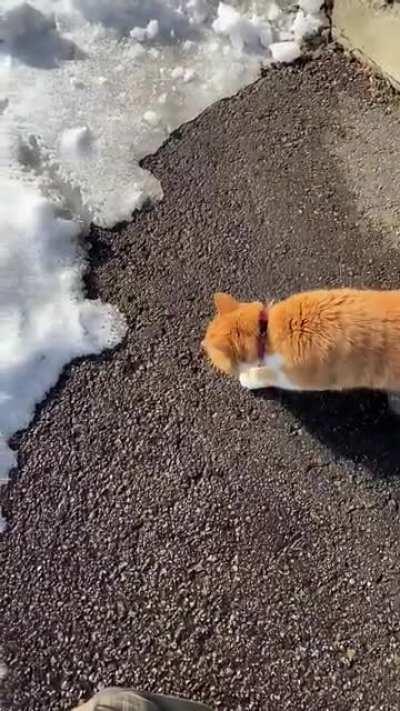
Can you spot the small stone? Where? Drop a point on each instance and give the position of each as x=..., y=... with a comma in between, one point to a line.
x=349, y=656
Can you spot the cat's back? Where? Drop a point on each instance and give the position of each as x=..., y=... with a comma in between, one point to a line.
x=329, y=314
x=337, y=304
x=339, y=338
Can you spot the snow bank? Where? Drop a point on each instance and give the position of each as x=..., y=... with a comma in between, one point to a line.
x=44, y=320
x=87, y=89
x=242, y=31
x=131, y=72
x=76, y=143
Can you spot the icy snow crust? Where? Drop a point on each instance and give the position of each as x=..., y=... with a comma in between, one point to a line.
x=87, y=89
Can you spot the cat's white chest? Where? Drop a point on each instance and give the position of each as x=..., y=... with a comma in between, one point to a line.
x=268, y=375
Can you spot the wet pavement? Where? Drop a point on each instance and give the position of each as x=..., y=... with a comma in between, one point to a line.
x=171, y=531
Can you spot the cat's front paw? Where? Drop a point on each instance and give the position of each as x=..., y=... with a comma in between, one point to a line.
x=248, y=381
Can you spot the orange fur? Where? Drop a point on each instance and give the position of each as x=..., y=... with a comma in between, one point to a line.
x=322, y=340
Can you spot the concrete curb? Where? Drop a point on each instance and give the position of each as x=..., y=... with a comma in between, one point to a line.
x=370, y=29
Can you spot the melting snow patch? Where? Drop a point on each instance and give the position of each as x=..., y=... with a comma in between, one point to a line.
x=151, y=118
x=285, y=52
x=76, y=143
x=44, y=319
x=305, y=25
x=312, y=7
x=148, y=33
x=87, y=89
x=253, y=33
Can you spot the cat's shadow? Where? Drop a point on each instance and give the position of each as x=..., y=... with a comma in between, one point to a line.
x=356, y=426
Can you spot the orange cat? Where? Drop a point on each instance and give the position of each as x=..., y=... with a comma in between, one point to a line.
x=337, y=339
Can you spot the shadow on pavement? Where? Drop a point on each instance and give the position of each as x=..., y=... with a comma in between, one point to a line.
x=355, y=426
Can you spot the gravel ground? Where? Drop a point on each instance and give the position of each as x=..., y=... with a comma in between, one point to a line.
x=172, y=532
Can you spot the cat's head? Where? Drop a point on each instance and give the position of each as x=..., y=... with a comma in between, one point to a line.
x=231, y=341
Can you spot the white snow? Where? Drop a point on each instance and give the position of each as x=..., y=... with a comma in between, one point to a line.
x=76, y=143
x=87, y=89
x=274, y=12
x=141, y=34
x=285, y=52
x=305, y=25
x=312, y=7
x=152, y=118
x=242, y=31
x=44, y=319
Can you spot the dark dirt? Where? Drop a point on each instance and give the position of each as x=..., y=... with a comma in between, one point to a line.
x=171, y=531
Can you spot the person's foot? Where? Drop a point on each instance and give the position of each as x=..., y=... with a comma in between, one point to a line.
x=394, y=403
x=116, y=699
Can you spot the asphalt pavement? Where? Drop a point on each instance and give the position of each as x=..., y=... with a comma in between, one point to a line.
x=171, y=531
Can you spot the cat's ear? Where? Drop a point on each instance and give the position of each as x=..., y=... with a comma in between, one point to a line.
x=224, y=303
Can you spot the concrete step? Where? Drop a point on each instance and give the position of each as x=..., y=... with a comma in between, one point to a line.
x=371, y=30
